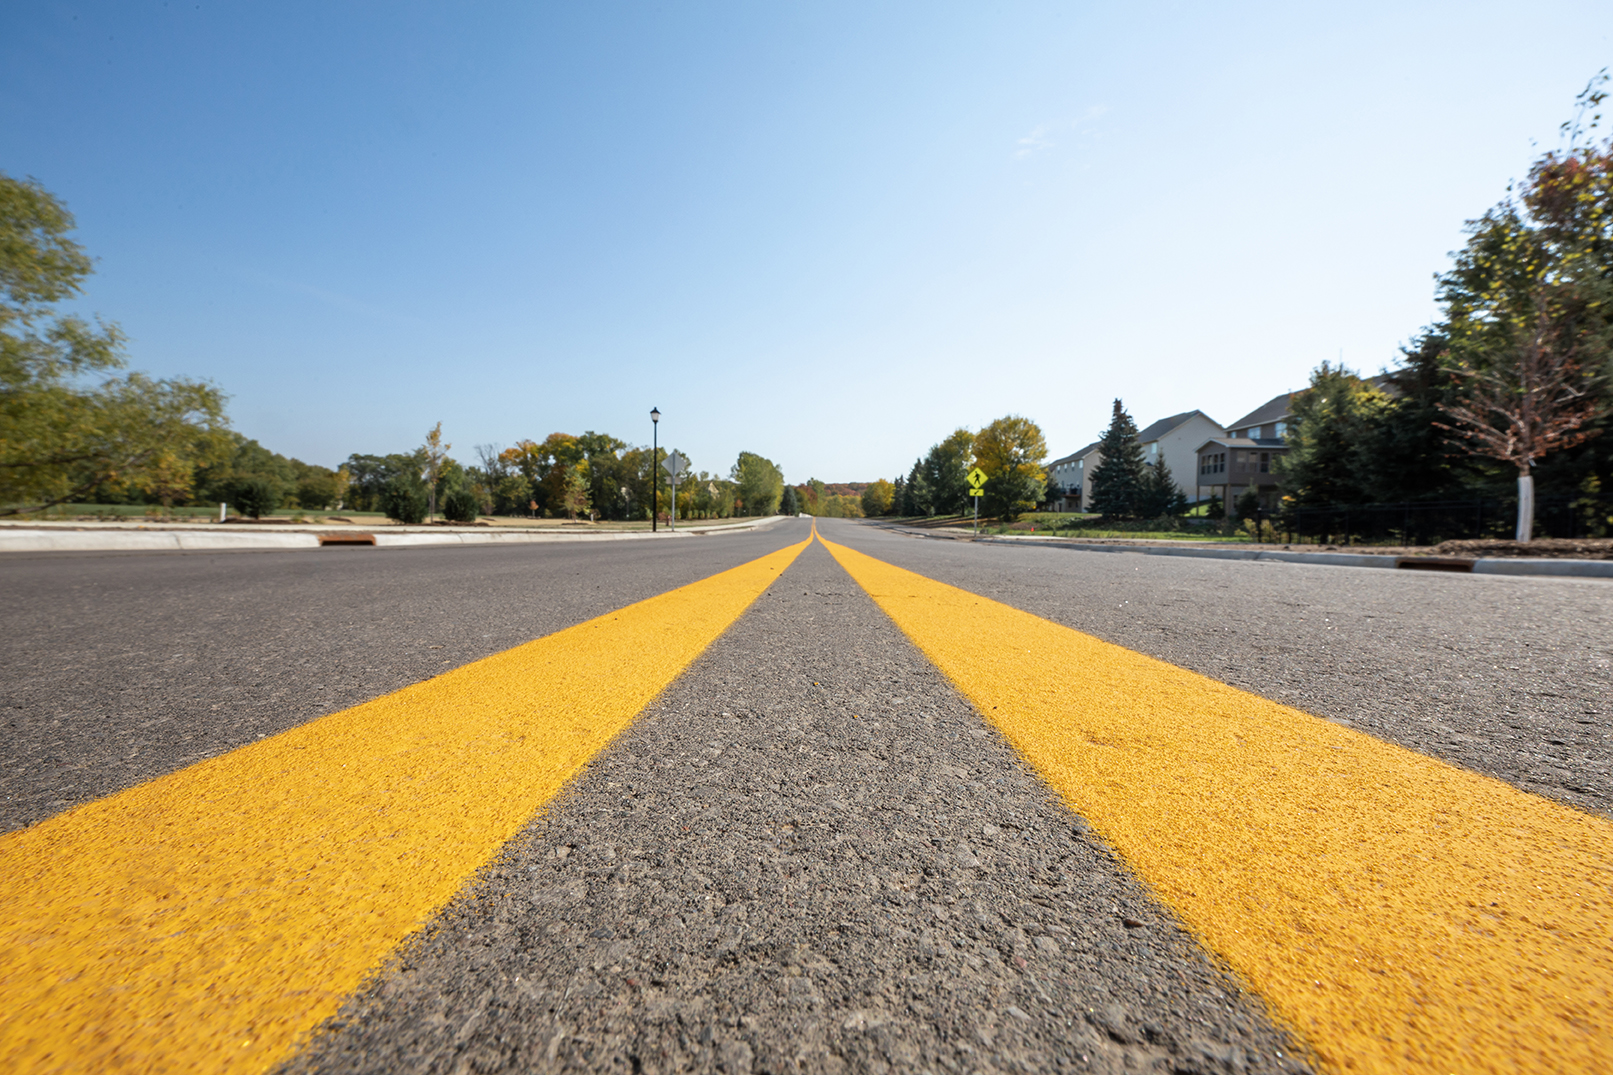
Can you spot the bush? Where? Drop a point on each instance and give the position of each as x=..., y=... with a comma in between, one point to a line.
x=460, y=506
x=256, y=497
x=404, y=501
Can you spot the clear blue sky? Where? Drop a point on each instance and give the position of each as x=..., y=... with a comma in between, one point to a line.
x=825, y=232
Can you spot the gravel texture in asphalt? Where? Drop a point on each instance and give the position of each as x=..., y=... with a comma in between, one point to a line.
x=1512, y=677
x=808, y=855
x=118, y=668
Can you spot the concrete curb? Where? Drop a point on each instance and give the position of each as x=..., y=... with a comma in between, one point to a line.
x=1598, y=569
x=43, y=540
x=147, y=541
x=1489, y=565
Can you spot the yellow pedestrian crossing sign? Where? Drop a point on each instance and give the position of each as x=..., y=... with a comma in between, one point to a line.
x=977, y=478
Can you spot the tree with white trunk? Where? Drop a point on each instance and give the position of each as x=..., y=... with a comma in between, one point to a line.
x=1528, y=303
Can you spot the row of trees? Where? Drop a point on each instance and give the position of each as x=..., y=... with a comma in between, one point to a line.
x=75, y=428
x=601, y=476
x=825, y=500
x=593, y=476
x=1009, y=451
x=1514, y=382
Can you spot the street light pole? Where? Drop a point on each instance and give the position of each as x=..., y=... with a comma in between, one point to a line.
x=655, y=466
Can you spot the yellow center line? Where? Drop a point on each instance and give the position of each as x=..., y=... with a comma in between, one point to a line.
x=203, y=921
x=1399, y=913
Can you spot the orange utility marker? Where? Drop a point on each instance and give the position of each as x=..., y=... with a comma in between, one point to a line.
x=1401, y=914
x=203, y=921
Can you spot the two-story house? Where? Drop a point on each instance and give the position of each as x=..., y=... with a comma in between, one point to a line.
x=1174, y=439
x=1242, y=456
x=1069, y=488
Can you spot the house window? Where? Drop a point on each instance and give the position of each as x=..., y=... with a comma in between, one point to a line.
x=1265, y=462
x=1279, y=429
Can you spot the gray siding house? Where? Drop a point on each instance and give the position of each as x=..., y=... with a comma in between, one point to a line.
x=1069, y=479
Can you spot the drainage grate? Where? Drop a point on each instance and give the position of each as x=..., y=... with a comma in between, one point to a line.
x=1434, y=563
x=346, y=539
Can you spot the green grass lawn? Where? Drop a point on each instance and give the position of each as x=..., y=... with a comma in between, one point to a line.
x=197, y=513
x=119, y=511
x=1078, y=533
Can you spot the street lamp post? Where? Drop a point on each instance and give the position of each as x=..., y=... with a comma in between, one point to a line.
x=655, y=466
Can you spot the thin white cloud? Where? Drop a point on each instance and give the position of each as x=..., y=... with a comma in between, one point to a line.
x=1036, y=141
x=1041, y=136
x=1089, y=116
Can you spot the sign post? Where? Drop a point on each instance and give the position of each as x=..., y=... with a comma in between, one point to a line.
x=977, y=480
x=674, y=464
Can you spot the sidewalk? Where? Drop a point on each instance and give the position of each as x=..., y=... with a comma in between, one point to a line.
x=190, y=537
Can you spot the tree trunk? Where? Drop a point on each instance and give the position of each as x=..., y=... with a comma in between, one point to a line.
x=1526, y=506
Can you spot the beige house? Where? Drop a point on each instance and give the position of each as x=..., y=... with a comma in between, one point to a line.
x=1175, y=439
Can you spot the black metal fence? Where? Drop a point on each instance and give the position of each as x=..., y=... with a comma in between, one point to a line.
x=1431, y=522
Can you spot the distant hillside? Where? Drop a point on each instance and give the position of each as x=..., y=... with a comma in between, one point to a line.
x=846, y=488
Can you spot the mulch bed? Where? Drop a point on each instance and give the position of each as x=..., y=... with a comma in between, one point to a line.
x=1550, y=548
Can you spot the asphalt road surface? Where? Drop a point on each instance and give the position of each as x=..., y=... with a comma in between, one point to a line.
x=1503, y=675
x=810, y=852
x=121, y=667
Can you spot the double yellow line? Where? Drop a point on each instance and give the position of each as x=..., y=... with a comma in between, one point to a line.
x=1399, y=914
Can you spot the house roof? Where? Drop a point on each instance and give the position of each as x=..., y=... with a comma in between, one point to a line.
x=1272, y=411
x=1165, y=425
x=1073, y=456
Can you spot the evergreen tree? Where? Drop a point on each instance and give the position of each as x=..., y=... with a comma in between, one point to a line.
x=1158, y=495
x=1406, y=454
x=789, y=503
x=1117, y=481
x=918, y=492
x=1328, y=444
x=899, y=499
x=946, y=473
